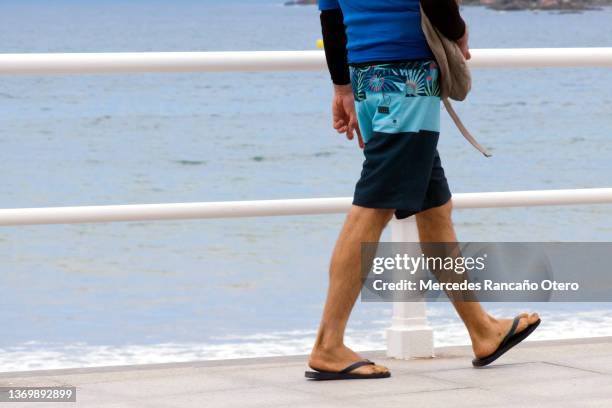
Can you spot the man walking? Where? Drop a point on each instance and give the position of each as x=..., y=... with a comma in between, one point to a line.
x=387, y=94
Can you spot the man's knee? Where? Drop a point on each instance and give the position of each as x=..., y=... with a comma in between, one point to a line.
x=436, y=215
x=379, y=217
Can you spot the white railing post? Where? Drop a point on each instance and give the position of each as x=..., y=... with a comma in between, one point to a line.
x=409, y=336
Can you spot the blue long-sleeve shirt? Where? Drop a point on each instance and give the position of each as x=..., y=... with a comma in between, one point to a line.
x=381, y=30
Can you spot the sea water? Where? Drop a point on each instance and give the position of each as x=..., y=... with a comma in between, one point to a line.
x=143, y=292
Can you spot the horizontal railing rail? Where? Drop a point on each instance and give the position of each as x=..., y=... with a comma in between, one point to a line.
x=132, y=62
x=266, y=208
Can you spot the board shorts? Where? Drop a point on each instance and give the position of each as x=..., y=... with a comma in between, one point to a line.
x=398, y=109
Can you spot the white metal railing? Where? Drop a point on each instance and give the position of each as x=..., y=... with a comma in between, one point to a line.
x=409, y=335
x=130, y=62
x=266, y=208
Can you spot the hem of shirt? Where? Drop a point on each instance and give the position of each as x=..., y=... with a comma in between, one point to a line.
x=360, y=64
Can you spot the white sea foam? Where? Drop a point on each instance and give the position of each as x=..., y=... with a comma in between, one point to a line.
x=448, y=331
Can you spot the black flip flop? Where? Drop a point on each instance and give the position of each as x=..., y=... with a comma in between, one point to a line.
x=511, y=340
x=320, y=375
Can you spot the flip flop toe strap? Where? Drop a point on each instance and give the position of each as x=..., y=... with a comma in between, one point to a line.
x=515, y=323
x=356, y=365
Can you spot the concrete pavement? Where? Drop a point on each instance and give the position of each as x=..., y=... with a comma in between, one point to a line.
x=566, y=373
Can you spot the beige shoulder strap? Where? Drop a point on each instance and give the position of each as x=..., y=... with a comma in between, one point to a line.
x=466, y=133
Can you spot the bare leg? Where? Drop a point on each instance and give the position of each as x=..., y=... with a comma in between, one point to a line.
x=329, y=352
x=486, y=332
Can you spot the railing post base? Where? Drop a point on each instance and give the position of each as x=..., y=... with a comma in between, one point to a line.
x=409, y=336
x=408, y=344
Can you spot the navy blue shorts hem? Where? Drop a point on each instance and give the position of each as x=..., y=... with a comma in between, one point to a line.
x=401, y=213
x=403, y=172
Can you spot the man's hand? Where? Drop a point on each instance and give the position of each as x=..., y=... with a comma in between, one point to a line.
x=463, y=44
x=343, y=113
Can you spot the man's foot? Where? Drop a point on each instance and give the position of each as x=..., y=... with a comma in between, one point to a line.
x=338, y=358
x=488, y=338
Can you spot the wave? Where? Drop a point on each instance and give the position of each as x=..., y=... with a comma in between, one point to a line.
x=448, y=330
